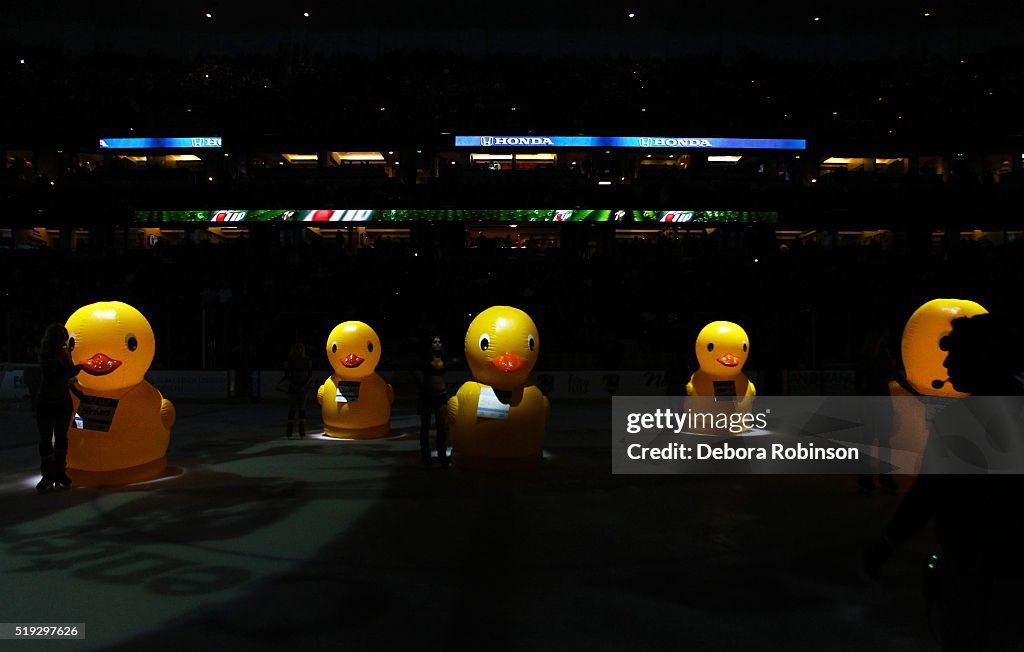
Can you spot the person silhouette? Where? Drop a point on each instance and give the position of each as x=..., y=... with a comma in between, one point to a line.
x=54, y=408
x=979, y=600
x=433, y=401
x=298, y=375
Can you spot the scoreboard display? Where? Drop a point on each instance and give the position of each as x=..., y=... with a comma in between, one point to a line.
x=378, y=216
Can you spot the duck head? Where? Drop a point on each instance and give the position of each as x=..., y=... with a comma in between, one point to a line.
x=502, y=345
x=923, y=347
x=722, y=349
x=353, y=350
x=113, y=342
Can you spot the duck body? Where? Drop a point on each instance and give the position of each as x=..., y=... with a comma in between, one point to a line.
x=124, y=436
x=509, y=435
x=361, y=410
x=738, y=386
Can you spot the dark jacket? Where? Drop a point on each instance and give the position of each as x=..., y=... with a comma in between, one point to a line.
x=58, y=370
x=298, y=374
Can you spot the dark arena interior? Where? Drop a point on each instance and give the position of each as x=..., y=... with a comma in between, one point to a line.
x=249, y=177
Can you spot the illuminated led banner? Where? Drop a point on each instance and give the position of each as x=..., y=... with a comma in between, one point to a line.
x=160, y=143
x=636, y=142
x=458, y=215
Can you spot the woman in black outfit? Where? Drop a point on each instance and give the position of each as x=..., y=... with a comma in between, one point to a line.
x=432, y=401
x=55, y=409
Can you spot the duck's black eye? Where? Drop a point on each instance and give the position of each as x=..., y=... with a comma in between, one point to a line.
x=71, y=344
x=711, y=346
x=485, y=342
x=744, y=347
x=334, y=348
x=369, y=347
x=532, y=342
x=132, y=343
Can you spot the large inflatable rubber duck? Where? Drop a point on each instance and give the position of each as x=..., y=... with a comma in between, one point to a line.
x=124, y=423
x=922, y=346
x=497, y=419
x=355, y=401
x=722, y=348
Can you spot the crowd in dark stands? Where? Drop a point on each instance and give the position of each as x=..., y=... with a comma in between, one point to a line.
x=963, y=110
x=601, y=303
x=881, y=101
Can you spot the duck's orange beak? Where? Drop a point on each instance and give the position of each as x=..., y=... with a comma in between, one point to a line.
x=100, y=365
x=729, y=360
x=351, y=361
x=509, y=362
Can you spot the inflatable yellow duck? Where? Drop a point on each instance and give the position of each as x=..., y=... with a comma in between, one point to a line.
x=722, y=349
x=125, y=423
x=497, y=419
x=355, y=401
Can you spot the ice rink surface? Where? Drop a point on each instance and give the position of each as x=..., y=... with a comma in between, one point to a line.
x=256, y=542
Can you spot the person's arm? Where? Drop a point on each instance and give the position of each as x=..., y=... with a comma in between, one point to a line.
x=67, y=365
x=58, y=367
x=284, y=384
x=75, y=389
x=418, y=373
